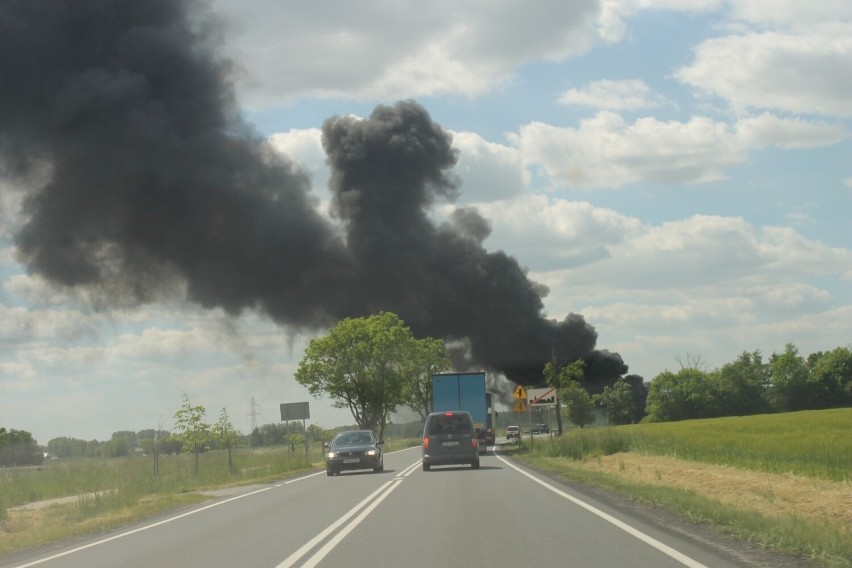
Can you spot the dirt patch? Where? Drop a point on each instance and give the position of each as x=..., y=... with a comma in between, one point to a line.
x=767, y=493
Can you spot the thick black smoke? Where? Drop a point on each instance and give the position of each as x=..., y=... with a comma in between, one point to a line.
x=154, y=179
x=154, y=176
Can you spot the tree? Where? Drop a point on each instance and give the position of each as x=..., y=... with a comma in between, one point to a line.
x=118, y=447
x=17, y=447
x=831, y=378
x=360, y=365
x=618, y=401
x=689, y=393
x=317, y=432
x=558, y=375
x=226, y=435
x=743, y=386
x=580, y=407
x=193, y=431
x=427, y=357
x=789, y=376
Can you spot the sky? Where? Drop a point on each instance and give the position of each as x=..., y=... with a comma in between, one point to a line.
x=677, y=172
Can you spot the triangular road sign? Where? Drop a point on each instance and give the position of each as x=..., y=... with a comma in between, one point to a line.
x=521, y=405
x=520, y=393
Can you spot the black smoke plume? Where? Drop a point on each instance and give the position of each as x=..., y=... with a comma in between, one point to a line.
x=156, y=182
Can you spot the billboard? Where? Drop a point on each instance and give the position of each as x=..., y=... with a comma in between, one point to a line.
x=294, y=411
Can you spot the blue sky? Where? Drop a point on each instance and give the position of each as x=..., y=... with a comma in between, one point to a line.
x=679, y=172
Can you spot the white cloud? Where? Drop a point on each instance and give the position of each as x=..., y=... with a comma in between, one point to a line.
x=791, y=13
x=804, y=72
x=374, y=50
x=607, y=151
x=490, y=171
x=631, y=94
x=770, y=130
x=707, y=257
x=544, y=233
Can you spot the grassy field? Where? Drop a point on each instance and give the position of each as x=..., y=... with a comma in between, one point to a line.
x=784, y=481
x=108, y=493
x=811, y=443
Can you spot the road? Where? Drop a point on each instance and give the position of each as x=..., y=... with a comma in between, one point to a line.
x=499, y=516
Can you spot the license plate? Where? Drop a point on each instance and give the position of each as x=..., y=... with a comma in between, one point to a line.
x=452, y=443
x=351, y=460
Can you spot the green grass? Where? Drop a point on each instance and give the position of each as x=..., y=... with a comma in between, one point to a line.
x=116, y=491
x=815, y=443
x=133, y=477
x=826, y=544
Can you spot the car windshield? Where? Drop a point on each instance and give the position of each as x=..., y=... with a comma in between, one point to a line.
x=351, y=438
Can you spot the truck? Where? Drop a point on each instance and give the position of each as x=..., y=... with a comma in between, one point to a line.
x=466, y=391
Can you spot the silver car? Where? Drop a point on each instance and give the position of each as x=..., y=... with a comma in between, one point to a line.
x=450, y=438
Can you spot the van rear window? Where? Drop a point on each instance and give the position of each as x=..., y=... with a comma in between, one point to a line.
x=452, y=424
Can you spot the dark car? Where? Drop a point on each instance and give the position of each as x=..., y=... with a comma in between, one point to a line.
x=450, y=438
x=544, y=428
x=354, y=449
x=535, y=429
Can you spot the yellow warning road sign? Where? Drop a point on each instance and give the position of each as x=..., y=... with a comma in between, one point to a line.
x=520, y=393
x=521, y=405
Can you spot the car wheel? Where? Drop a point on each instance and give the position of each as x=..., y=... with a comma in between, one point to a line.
x=329, y=472
x=475, y=465
x=426, y=466
x=379, y=468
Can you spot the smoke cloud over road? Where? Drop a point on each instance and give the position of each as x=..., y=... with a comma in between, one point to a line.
x=118, y=120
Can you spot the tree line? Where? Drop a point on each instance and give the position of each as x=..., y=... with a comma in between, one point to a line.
x=786, y=382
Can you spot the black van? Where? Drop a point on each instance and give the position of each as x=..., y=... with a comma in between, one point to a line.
x=450, y=438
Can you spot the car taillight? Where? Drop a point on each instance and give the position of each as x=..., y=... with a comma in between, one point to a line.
x=474, y=442
x=426, y=443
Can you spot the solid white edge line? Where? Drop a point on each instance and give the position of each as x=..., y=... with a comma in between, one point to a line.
x=664, y=548
x=140, y=529
x=157, y=524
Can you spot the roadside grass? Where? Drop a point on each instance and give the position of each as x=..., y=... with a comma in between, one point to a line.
x=109, y=493
x=30, y=528
x=802, y=446
x=113, y=492
x=825, y=543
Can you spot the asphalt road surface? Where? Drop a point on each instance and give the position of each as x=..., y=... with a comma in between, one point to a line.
x=500, y=516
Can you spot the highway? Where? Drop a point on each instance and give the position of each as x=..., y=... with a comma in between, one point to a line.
x=501, y=515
